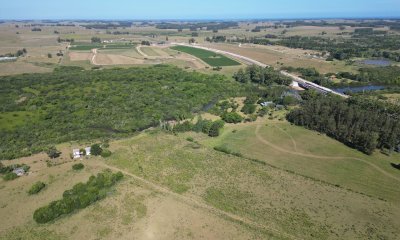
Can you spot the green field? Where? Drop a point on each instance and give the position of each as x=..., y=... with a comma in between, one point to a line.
x=119, y=46
x=211, y=58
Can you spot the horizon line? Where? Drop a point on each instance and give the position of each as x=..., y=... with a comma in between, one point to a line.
x=205, y=19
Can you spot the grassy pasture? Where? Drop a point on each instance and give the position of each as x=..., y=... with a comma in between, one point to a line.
x=313, y=155
x=132, y=210
x=283, y=204
x=301, y=207
x=213, y=59
x=150, y=51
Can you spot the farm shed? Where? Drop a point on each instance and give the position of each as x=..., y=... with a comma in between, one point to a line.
x=266, y=104
x=76, y=153
x=19, y=171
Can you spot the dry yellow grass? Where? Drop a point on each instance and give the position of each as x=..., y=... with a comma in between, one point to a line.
x=80, y=56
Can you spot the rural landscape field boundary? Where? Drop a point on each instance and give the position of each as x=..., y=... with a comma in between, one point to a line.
x=266, y=142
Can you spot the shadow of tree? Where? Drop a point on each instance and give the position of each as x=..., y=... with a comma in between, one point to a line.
x=397, y=166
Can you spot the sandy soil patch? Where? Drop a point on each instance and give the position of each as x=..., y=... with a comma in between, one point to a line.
x=79, y=56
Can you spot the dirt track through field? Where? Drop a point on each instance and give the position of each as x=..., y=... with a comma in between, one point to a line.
x=196, y=203
x=139, y=50
x=261, y=139
x=94, y=51
x=290, y=136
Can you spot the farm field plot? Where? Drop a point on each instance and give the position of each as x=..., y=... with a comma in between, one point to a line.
x=213, y=59
x=114, y=59
x=150, y=51
x=86, y=46
x=128, y=52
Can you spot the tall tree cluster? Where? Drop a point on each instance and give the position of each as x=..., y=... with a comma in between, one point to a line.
x=264, y=76
x=360, y=123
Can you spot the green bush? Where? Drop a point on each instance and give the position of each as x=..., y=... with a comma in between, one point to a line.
x=36, y=188
x=10, y=176
x=190, y=139
x=186, y=126
x=96, y=150
x=232, y=117
x=78, y=166
x=52, y=152
x=105, y=153
x=215, y=128
x=249, y=108
x=227, y=151
x=79, y=197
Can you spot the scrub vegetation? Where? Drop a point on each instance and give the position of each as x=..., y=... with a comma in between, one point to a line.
x=73, y=104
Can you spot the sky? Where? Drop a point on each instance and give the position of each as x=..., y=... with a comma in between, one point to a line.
x=196, y=9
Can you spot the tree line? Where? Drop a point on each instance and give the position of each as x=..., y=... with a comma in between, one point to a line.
x=263, y=76
x=360, y=123
x=79, y=197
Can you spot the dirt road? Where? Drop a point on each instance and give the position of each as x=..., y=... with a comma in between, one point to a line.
x=139, y=50
x=93, y=59
x=255, y=62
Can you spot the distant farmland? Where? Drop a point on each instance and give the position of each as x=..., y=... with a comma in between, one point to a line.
x=211, y=58
x=85, y=47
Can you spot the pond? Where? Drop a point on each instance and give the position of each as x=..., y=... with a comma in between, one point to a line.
x=377, y=62
x=359, y=89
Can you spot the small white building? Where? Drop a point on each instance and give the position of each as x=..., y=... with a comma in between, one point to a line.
x=76, y=153
x=8, y=59
x=294, y=84
x=87, y=149
x=19, y=171
x=266, y=104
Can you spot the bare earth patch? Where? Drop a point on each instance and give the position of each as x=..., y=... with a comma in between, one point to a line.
x=80, y=56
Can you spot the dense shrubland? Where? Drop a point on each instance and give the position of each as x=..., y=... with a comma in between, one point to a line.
x=79, y=197
x=73, y=104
